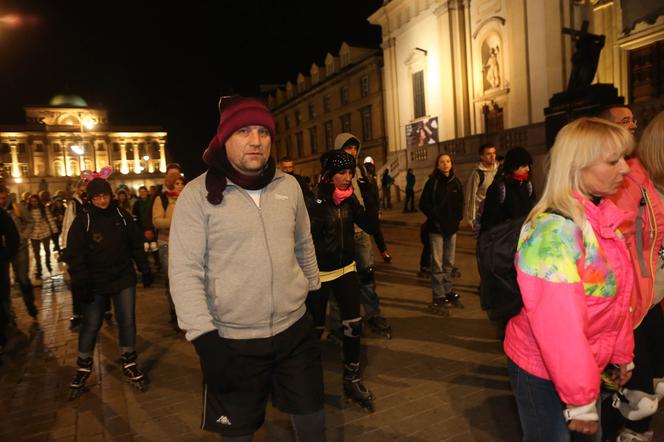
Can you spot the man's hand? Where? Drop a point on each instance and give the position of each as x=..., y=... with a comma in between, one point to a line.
x=583, y=427
x=218, y=362
x=386, y=257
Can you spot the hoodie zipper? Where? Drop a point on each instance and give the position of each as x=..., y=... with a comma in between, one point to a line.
x=269, y=255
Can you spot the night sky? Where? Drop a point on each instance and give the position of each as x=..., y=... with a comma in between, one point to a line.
x=148, y=63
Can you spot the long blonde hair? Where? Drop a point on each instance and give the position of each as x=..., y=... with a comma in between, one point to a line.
x=651, y=150
x=578, y=145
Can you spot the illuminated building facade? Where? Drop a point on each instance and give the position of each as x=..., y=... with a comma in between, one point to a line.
x=62, y=139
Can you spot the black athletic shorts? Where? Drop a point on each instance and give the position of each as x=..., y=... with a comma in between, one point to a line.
x=286, y=367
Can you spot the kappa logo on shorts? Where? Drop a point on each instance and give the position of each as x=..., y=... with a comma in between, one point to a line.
x=280, y=196
x=224, y=420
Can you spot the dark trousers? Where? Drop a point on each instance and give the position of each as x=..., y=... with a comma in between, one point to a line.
x=425, y=257
x=410, y=198
x=4, y=300
x=46, y=242
x=346, y=290
x=648, y=360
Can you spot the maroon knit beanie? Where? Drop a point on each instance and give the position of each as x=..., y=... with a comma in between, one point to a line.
x=236, y=113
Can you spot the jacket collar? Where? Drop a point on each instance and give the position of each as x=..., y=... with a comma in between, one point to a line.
x=604, y=217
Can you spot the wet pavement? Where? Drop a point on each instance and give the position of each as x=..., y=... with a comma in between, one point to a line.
x=438, y=379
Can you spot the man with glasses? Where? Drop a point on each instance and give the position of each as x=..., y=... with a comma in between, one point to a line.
x=621, y=115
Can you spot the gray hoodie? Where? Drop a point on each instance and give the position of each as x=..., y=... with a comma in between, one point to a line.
x=237, y=268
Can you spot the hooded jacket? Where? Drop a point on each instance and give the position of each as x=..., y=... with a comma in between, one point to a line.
x=101, y=245
x=644, y=232
x=575, y=286
x=476, y=192
x=238, y=268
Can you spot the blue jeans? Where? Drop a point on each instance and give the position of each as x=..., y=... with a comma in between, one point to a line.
x=443, y=249
x=124, y=302
x=541, y=410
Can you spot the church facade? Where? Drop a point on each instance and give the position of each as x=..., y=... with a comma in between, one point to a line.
x=484, y=70
x=59, y=141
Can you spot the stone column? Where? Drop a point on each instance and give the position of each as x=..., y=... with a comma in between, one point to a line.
x=124, y=168
x=137, y=159
x=162, y=157
x=16, y=170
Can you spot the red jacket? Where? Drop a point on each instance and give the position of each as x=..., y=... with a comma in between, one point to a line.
x=639, y=197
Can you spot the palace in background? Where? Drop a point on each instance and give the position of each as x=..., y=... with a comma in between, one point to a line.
x=62, y=139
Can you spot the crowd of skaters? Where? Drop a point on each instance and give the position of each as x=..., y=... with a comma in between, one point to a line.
x=584, y=346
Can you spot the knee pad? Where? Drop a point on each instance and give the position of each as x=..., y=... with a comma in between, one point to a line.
x=367, y=275
x=658, y=387
x=635, y=405
x=352, y=327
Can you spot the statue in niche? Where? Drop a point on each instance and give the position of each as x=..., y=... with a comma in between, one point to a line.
x=586, y=56
x=492, y=68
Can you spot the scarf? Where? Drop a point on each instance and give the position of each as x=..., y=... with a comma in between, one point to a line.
x=338, y=196
x=219, y=169
x=520, y=176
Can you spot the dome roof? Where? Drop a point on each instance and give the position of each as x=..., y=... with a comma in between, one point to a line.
x=68, y=100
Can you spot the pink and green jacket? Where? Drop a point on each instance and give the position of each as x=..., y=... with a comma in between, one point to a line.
x=576, y=289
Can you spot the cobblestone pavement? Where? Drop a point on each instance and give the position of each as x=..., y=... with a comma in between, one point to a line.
x=438, y=379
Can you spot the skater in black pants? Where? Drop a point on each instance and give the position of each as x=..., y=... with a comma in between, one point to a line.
x=333, y=212
x=102, y=243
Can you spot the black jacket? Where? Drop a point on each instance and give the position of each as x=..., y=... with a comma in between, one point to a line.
x=506, y=199
x=332, y=227
x=101, y=246
x=9, y=238
x=442, y=203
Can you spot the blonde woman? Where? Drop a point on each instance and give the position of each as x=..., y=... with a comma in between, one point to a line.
x=575, y=277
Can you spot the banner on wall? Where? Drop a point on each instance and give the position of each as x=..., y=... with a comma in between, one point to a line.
x=422, y=133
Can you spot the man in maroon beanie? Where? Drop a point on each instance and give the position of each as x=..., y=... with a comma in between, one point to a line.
x=241, y=263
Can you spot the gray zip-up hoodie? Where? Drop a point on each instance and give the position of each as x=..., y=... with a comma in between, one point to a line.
x=237, y=268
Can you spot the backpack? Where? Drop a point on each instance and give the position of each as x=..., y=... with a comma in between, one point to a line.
x=500, y=296
x=480, y=173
